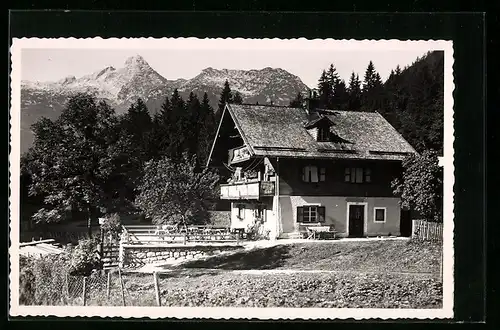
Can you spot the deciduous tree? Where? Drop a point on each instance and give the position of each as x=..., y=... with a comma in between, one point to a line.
x=76, y=162
x=177, y=192
x=421, y=186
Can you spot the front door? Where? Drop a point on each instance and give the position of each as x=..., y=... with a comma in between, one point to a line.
x=356, y=220
x=405, y=223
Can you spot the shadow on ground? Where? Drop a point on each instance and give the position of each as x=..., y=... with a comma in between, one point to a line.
x=267, y=258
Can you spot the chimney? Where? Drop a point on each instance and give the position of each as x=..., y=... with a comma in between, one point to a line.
x=311, y=102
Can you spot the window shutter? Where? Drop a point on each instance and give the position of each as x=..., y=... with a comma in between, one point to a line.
x=321, y=213
x=300, y=214
x=368, y=175
x=322, y=174
x=347, y=174
x=313, y=174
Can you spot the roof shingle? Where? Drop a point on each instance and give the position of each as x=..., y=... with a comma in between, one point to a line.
x=280, y=132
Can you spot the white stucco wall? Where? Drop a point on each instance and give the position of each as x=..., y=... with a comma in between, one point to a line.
x=248, y=217
x=336, y=213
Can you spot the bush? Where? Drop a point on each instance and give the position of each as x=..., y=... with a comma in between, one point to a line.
x=85, y=257
x=256, y=231
x=26, y=281
x=41, y=280
x=112, y=227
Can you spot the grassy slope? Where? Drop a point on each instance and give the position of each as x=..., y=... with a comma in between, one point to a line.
x=367, y=284
x=368, y=256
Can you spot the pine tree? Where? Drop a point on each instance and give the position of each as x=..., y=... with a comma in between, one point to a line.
x=325, y=91
x=332, y=75
x=207, y=131
x=298, y=102
x=177, y=134
x=237, y=99
x=354, y=93
x=369, y=77
x=137, y=124
x=340, y=96
x=137, y=128
x=333, y=80
x=372, y=93
x=192, y=125
x=163, y=127
x=226, y=96
x=397, y=72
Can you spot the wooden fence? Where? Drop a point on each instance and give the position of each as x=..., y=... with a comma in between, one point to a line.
x=170, y=234
x=425, y=230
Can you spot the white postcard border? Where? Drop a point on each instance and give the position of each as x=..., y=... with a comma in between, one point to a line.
x=238, y=312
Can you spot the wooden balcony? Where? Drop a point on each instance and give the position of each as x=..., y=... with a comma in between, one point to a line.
x=247, y=190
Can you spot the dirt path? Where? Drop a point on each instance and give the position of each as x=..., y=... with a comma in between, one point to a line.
x=262, y=272
x=322, y=271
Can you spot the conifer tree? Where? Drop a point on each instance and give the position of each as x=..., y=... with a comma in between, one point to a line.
x=325, y=90
x=237, y=98
x=192, y=125
x=226, y=96
x=372, y=92
x=137, y=127
x=208, y=127
x=354, y=93
x=177, y=132
x=137, y=124
x=163, y=128
x=340, y=97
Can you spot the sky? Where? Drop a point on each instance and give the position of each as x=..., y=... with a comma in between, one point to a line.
x=178, y=61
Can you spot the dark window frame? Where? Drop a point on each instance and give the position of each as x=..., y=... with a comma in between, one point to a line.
x=306, y=176
x=357, y=175
x=384, y=212
x=318, y=211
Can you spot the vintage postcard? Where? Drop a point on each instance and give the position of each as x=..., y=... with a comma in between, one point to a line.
x=232, y=178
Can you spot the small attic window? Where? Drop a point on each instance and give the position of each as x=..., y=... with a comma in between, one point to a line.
x=323, y=134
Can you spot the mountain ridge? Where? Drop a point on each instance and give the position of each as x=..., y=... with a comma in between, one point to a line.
x=122, y=86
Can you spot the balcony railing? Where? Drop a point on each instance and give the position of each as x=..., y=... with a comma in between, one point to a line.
x=247, y=190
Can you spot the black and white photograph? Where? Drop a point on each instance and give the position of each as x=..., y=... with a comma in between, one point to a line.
x=242, y=178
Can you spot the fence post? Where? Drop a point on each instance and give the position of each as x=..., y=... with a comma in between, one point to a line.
x=185, y=238
x=108, y=284
x=84, y=290
x=157, y=289
x=121, y=285
x=121, y=255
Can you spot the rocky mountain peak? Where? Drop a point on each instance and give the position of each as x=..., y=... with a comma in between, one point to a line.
x=67, y=80
x=136, y=61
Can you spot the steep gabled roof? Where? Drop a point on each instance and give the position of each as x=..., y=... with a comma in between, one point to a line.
x=280, y=132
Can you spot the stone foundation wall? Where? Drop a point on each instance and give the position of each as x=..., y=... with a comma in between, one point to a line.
x=151, y=254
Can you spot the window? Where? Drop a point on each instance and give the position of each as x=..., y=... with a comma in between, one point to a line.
x=310, y=214
x=310, y=174
x=260, y=212
x=379, y=214
x=357, y=175
x=241, y=211
x=323, y=134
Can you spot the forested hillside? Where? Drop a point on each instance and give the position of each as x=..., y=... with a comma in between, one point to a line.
x=411, y=99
